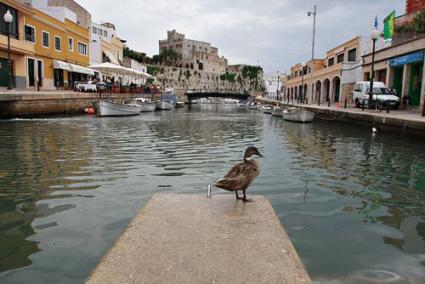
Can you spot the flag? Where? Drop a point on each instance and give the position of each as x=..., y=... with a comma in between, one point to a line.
x=376, y=22
x=389, y=26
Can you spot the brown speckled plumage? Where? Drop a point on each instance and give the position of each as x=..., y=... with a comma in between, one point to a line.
x=241, y=175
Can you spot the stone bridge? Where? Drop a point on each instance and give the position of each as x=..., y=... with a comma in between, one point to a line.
x=194, y=94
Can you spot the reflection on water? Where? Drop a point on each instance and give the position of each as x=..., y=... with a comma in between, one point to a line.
x=352, y=203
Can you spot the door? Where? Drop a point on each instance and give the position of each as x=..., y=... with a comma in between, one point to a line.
x=4, y=72
x=40, y=73
x=415, y=84
x=31, y=74
x=398, y=80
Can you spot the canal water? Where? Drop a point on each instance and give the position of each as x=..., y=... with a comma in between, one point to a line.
x=353, y=203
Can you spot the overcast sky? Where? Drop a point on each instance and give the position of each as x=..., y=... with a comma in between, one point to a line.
x=274, y=33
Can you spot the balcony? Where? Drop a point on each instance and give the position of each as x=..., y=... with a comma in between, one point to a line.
x=17, y=46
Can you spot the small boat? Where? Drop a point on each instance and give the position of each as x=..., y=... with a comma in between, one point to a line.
x=167, y=101
x=179, y=104
x=297, y=115
x=267, y=109
x=277, y=111
x=105, y=108
x=146, y=105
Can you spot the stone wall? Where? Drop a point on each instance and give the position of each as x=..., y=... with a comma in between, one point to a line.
x=83, y=16
x=183, y=79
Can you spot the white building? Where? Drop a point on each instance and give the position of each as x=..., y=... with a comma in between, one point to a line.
x=275, y=84
x=105, y=46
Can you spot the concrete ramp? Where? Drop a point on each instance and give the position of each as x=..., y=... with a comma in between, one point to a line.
x=183, y=238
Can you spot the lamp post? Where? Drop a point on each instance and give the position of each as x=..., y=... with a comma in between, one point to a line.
x=312, y=47
x=374, y=36
x=8, y=18
x=277, y=88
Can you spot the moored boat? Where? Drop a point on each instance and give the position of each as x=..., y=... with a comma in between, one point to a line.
x=105, y=108
x=297, y=115
x=179, y=104
x=146, y=105
x=277, y=111
x=167, y=101
x=267, y=109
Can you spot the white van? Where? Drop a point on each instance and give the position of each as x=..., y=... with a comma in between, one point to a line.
x=381, y=95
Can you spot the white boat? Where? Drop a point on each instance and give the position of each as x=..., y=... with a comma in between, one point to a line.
x=105, y=108
x=267, y=109
x=179, y=104
x=277, y=111
x=146, y=105
x=167, y=101
x=297, y=115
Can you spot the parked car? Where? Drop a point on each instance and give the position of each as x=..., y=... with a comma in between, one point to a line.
x=382, y=96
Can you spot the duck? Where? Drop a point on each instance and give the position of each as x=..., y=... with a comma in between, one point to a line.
x=241, y=175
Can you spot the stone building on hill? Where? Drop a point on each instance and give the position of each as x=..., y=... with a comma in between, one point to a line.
x=193, y=54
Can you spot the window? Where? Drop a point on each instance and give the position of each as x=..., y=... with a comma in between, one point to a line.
x=340, y=58
x=29, y=33
x=105, y=33
x=331, y=61
x=100, y=32
x=71, y=44
x=358, y=88
x=82, y=48
x=13, y=25
x=46, y=42
x=57, y=43
x=94, y=30
x=352, y=55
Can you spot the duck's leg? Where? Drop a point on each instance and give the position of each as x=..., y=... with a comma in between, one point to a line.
x=246, y=199
x=237, y=196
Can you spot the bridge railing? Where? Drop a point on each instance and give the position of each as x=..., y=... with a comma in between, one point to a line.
x=218, y=91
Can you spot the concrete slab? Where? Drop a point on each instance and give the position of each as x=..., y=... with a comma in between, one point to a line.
x=180, y=238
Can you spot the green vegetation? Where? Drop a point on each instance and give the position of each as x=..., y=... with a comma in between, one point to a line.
x=168, y=56
x=228, y=77
x=155, y=70
x=138, y=56
x=416, y=26
x=251, y=72
x=149, y=81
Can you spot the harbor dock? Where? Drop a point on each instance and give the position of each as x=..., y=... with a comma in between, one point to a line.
x=403, y=120
x=187, y=238
x=33, y=103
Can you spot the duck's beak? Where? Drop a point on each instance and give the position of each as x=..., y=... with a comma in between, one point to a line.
x=259, y=155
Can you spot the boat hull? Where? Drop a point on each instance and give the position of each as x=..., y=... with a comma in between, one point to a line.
x=277, y=112
x=105, y=108
x=301, y=116
x=147, y=107
x=163, y=105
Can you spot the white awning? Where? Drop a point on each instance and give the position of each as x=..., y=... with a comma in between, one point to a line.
x=111, y=57
x=80, y=69
x=57, y=64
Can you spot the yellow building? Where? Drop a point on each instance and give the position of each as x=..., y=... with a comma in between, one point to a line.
x=61, y=51
x=329, y=79
x=19, y=48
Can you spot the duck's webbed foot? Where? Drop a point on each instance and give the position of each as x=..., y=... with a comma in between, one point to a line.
x=244, y=199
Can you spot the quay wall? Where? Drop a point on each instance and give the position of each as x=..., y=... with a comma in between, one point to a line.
x=50, y=103
x=403, y=121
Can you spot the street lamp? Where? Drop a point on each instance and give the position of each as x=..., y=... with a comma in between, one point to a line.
x=8, y=18
x=312, y=47
x=374, y=35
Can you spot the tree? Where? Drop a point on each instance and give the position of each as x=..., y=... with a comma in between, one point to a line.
x=168, y=56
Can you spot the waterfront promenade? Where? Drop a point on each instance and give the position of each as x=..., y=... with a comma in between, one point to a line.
x=187, y=238
x=405, y=120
